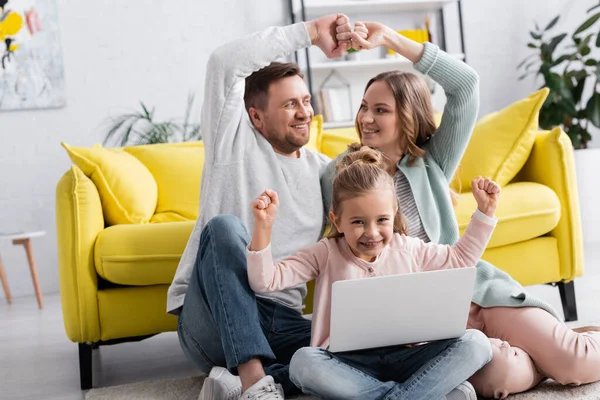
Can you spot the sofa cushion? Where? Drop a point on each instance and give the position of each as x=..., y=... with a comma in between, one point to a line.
x=316, y=132
x=141, y=255
x=501, y=142
x=177, y=169
x=336, y=141
x=128, y=191
x=525, y=211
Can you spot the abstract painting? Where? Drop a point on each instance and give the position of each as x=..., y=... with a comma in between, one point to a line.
x=31, y=64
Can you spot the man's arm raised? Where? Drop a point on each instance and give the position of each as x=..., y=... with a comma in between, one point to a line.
x=223, y=107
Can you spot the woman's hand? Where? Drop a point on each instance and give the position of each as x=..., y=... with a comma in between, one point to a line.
x=378, y=34
x=264, y=207
x=366, y=35
x=486, y=193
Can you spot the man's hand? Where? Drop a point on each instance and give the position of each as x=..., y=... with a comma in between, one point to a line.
x=265, y=207
x=486, y=193
x=326, y=33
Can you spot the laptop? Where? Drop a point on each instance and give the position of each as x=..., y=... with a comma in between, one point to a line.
x=400, y=309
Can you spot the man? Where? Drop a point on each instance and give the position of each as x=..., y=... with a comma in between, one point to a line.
x=256, y=117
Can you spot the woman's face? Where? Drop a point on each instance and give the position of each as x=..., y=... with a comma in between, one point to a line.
x=378, y=120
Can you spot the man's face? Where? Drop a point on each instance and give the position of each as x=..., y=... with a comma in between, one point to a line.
x=285, y=121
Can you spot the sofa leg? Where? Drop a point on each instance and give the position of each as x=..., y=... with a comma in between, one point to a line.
x=567, y=297
x=85, y=365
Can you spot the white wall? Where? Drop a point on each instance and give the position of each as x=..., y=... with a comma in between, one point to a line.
x=496, y=34
x=115, y=54
x=118, y=53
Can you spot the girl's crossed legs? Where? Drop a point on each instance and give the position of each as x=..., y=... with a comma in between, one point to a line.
x=531, y=345
x=428, y=371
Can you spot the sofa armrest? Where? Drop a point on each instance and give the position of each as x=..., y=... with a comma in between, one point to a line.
x=552, y=163
x=79, y=220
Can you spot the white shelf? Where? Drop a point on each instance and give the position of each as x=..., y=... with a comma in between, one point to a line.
x=340, y=124
x=322, y=7
x=388, y=62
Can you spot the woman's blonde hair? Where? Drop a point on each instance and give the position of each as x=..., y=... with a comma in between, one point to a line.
x=359, y=172
x=413, y=105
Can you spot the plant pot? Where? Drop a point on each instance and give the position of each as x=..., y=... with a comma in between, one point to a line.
x=353, y=56
x=587, y=165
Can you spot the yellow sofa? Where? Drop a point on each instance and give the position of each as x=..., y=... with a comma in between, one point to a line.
x=121, y=232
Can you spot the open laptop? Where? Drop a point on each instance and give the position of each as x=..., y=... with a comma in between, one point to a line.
x=400, y=309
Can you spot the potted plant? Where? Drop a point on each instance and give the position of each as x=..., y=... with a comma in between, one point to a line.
x=572, y=73
x=141, y=128
x=352, y=54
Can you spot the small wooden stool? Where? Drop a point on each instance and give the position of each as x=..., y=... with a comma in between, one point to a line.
x=22, y=238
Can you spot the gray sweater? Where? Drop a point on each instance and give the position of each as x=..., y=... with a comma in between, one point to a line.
x=240, y=163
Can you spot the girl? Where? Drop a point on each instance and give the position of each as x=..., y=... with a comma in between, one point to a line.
x=396, y=117
x=367, y=239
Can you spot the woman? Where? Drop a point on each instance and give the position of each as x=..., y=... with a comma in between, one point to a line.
x=529, y=341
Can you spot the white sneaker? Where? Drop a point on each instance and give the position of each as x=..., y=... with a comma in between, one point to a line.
x=265, y=389
x=464, y=391
x=221, y=385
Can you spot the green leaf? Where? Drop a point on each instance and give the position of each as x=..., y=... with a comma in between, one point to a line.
x=535, y=36
x=555, y=41
x=531, y=45
x=578, y=89
x=568, y=107
x=147, y=114
x=552, y=23
x=594, y=7
x=574, y=135
x=589, y=22
x=593, y=109
x=531, y=64
x=554, y=81
x=550, y=115
x=598, y=40
x=591, y=62
x=586, y=51
x=562, y=59
x=585, y=42
x=564, y=90
x=525, y=60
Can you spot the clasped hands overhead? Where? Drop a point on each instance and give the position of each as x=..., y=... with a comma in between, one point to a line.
x=334, y=34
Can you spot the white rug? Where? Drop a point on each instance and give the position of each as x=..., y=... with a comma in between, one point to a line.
x=188, y=389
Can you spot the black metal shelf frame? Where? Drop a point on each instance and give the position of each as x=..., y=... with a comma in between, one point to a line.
x=440, y=19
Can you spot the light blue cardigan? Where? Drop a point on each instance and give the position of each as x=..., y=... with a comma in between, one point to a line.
x=430, y=178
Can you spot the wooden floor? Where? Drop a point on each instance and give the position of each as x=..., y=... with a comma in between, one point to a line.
x=37, y=361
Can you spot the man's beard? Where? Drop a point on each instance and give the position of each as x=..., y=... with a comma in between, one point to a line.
x=288, y=144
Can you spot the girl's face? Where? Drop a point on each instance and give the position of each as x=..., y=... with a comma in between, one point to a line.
x=367, y=222
x=378, y=120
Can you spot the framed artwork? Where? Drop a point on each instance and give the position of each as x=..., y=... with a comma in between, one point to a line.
x=335, y=98
x=31, y=63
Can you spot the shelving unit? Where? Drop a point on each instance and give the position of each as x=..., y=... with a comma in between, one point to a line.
x=316, y=7
x=341, y=124
x=391, y=62
x=303, y=10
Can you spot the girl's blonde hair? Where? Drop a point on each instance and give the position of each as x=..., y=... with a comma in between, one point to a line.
x=359, y=172
x=413, y=105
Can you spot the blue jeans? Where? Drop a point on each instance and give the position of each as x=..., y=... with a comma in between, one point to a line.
x=427, y=372
x=222, y=322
